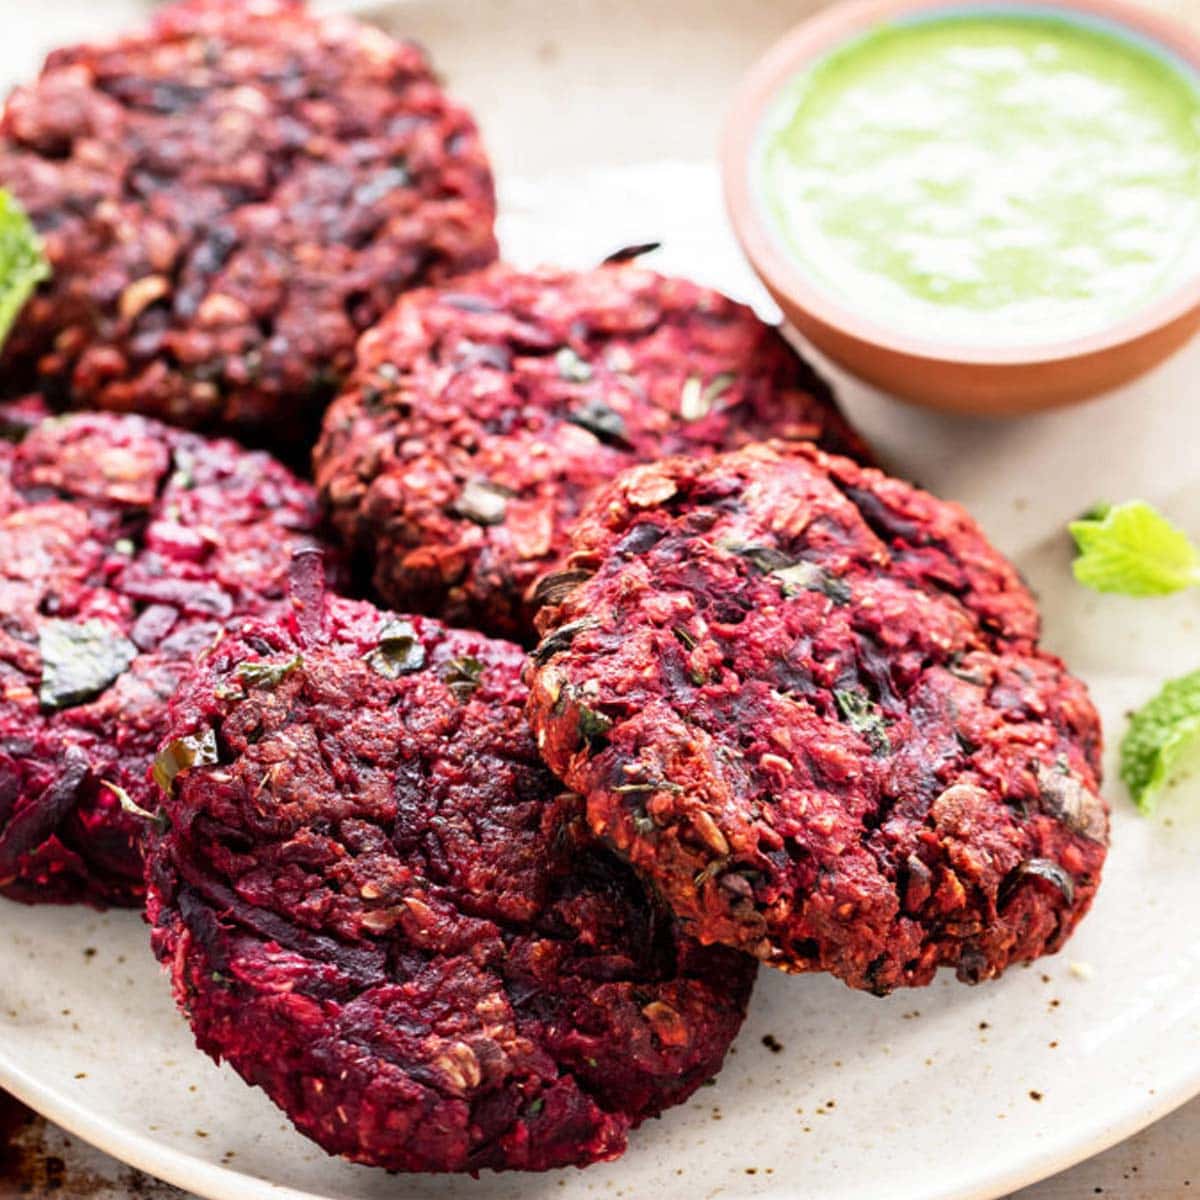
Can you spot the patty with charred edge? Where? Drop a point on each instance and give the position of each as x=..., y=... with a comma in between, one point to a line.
x=376, y=904
x=483, y=415
x=807, y=702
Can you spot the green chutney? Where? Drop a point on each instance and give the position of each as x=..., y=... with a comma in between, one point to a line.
x=988, y=178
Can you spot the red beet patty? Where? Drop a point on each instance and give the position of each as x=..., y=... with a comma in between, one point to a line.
x=482, y=416
x=807, y=701
x=227, y=200
x=124, y=546
x=376, y=905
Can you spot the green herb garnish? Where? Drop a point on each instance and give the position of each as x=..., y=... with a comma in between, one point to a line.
x=863, y=716
x=808, y=577
x=765, y=558
x=80, y=659
x=268, y=675
x=182, y=754
x=400, y=651
x=1133, y=549
x=592, y=725
x=23, y=265
x=684, y=638
x=560, y=639
x=1159, y=733
x=462, y=675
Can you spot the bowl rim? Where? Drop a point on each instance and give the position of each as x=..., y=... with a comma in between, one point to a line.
x=785, y=277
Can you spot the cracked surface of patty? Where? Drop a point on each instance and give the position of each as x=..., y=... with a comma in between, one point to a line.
x=807, y=701
x=124, y=546
x=376, y=904
x=227, y=200
x=482, y=416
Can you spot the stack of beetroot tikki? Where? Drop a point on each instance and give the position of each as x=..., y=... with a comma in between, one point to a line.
x=454, y=905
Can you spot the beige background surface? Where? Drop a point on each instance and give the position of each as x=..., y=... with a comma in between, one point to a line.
x=549, y=105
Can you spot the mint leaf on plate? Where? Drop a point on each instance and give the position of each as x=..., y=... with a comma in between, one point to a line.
x=22, y=264
x=1159, y=733
x=1133, y=549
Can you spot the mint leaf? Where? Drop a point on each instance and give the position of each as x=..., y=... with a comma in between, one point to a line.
x=1133, y=549
x=1159, y=733
x=22, y=264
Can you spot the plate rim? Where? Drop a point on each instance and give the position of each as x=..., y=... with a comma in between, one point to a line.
x=215, y=1182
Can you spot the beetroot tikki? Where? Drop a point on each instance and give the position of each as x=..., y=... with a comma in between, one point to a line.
x=482, y=417
x=807, y=702
x=227, y=200
x=376, y=904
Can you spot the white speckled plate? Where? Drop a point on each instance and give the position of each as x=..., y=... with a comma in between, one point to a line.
x=947, y=1092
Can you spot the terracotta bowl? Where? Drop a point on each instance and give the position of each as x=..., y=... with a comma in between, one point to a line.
x=1000, y=380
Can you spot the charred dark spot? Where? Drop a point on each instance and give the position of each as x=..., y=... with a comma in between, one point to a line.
x=599, y=419
x=1038, y=869
x=888, y=525
x=560, y=639
x=556, y=587
x=629, y=253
